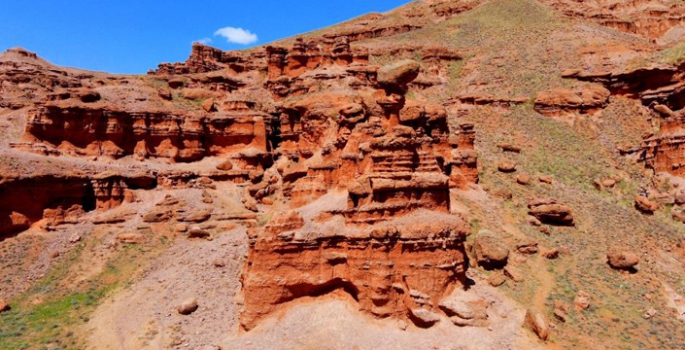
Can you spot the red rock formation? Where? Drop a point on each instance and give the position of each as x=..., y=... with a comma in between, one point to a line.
x=24, y=199
x=26, y=77
x=446, y=9
x=393, y=157
x=664, y=152
x=389, y=270
x=648, y=18
x=327, y=120
x=559, y=102
x=27, y=199
x=205, y=59
x=663, y=84
x=100, y=129
x=358, y=34
x=661, y=88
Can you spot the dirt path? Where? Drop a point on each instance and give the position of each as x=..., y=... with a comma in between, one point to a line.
x=144, y=315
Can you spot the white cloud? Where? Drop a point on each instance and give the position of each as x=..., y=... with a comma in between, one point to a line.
x=237, y=35
x=204, y=41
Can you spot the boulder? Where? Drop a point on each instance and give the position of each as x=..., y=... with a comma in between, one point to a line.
x=536, y=322
x=546, y=179
x=197, y=232
x=560, y=310
x=399, y=74
x=582, y=300
x=514, y=273
x=523, y=179
x=533, y=220
x=489, y=250
x=157, y=215
x=527, y=247
x=506, y=166
x=548, y=211
x=646, y=206
x=551, y=254
x=497, y=279
x=225, y=165
x=4, y=306
x=508, y=147
x=197, y=215
x=649, y=313
x=423, y=318
x=187, y=307
x=465, y=310
x=622, y=259
x=459, y=308
x=679, y=197
x=609, y=183
x=131, y=238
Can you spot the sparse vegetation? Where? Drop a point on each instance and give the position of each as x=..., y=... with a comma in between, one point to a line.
x=48, y=313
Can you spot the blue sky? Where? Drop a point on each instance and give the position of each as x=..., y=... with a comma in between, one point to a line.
x=132, y=36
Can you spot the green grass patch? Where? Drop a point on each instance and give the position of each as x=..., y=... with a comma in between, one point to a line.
x=49, y=314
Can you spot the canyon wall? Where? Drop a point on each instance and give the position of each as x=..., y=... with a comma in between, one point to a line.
x=297, y=123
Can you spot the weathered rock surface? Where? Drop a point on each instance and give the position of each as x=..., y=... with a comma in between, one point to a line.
x=382, y=268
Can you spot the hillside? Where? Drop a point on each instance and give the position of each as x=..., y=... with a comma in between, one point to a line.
x=478, y=174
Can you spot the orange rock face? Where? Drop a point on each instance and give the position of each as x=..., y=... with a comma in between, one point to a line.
x=393, y=157
x=389, y=270
x=296, y=123
x=104, y=130
x=23, y=201
x=648, y=18
x=562, y=101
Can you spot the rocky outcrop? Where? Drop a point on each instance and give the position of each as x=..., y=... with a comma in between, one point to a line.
x=648, y=18
x=644, y=205
x=560, y=102
x=24, y=200
x=205, y=59
x=393, y=158
x=26, y=76
x=651, y=84
x=383, y=268
x=296, y=124
x=663, y=152
x=28, y=199
x=662, y=89
x=446, y=9
x=104, y=130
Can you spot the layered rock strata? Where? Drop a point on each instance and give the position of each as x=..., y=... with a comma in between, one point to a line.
x=391, y=271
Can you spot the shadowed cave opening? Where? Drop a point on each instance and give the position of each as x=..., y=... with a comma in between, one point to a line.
x=301, y=290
